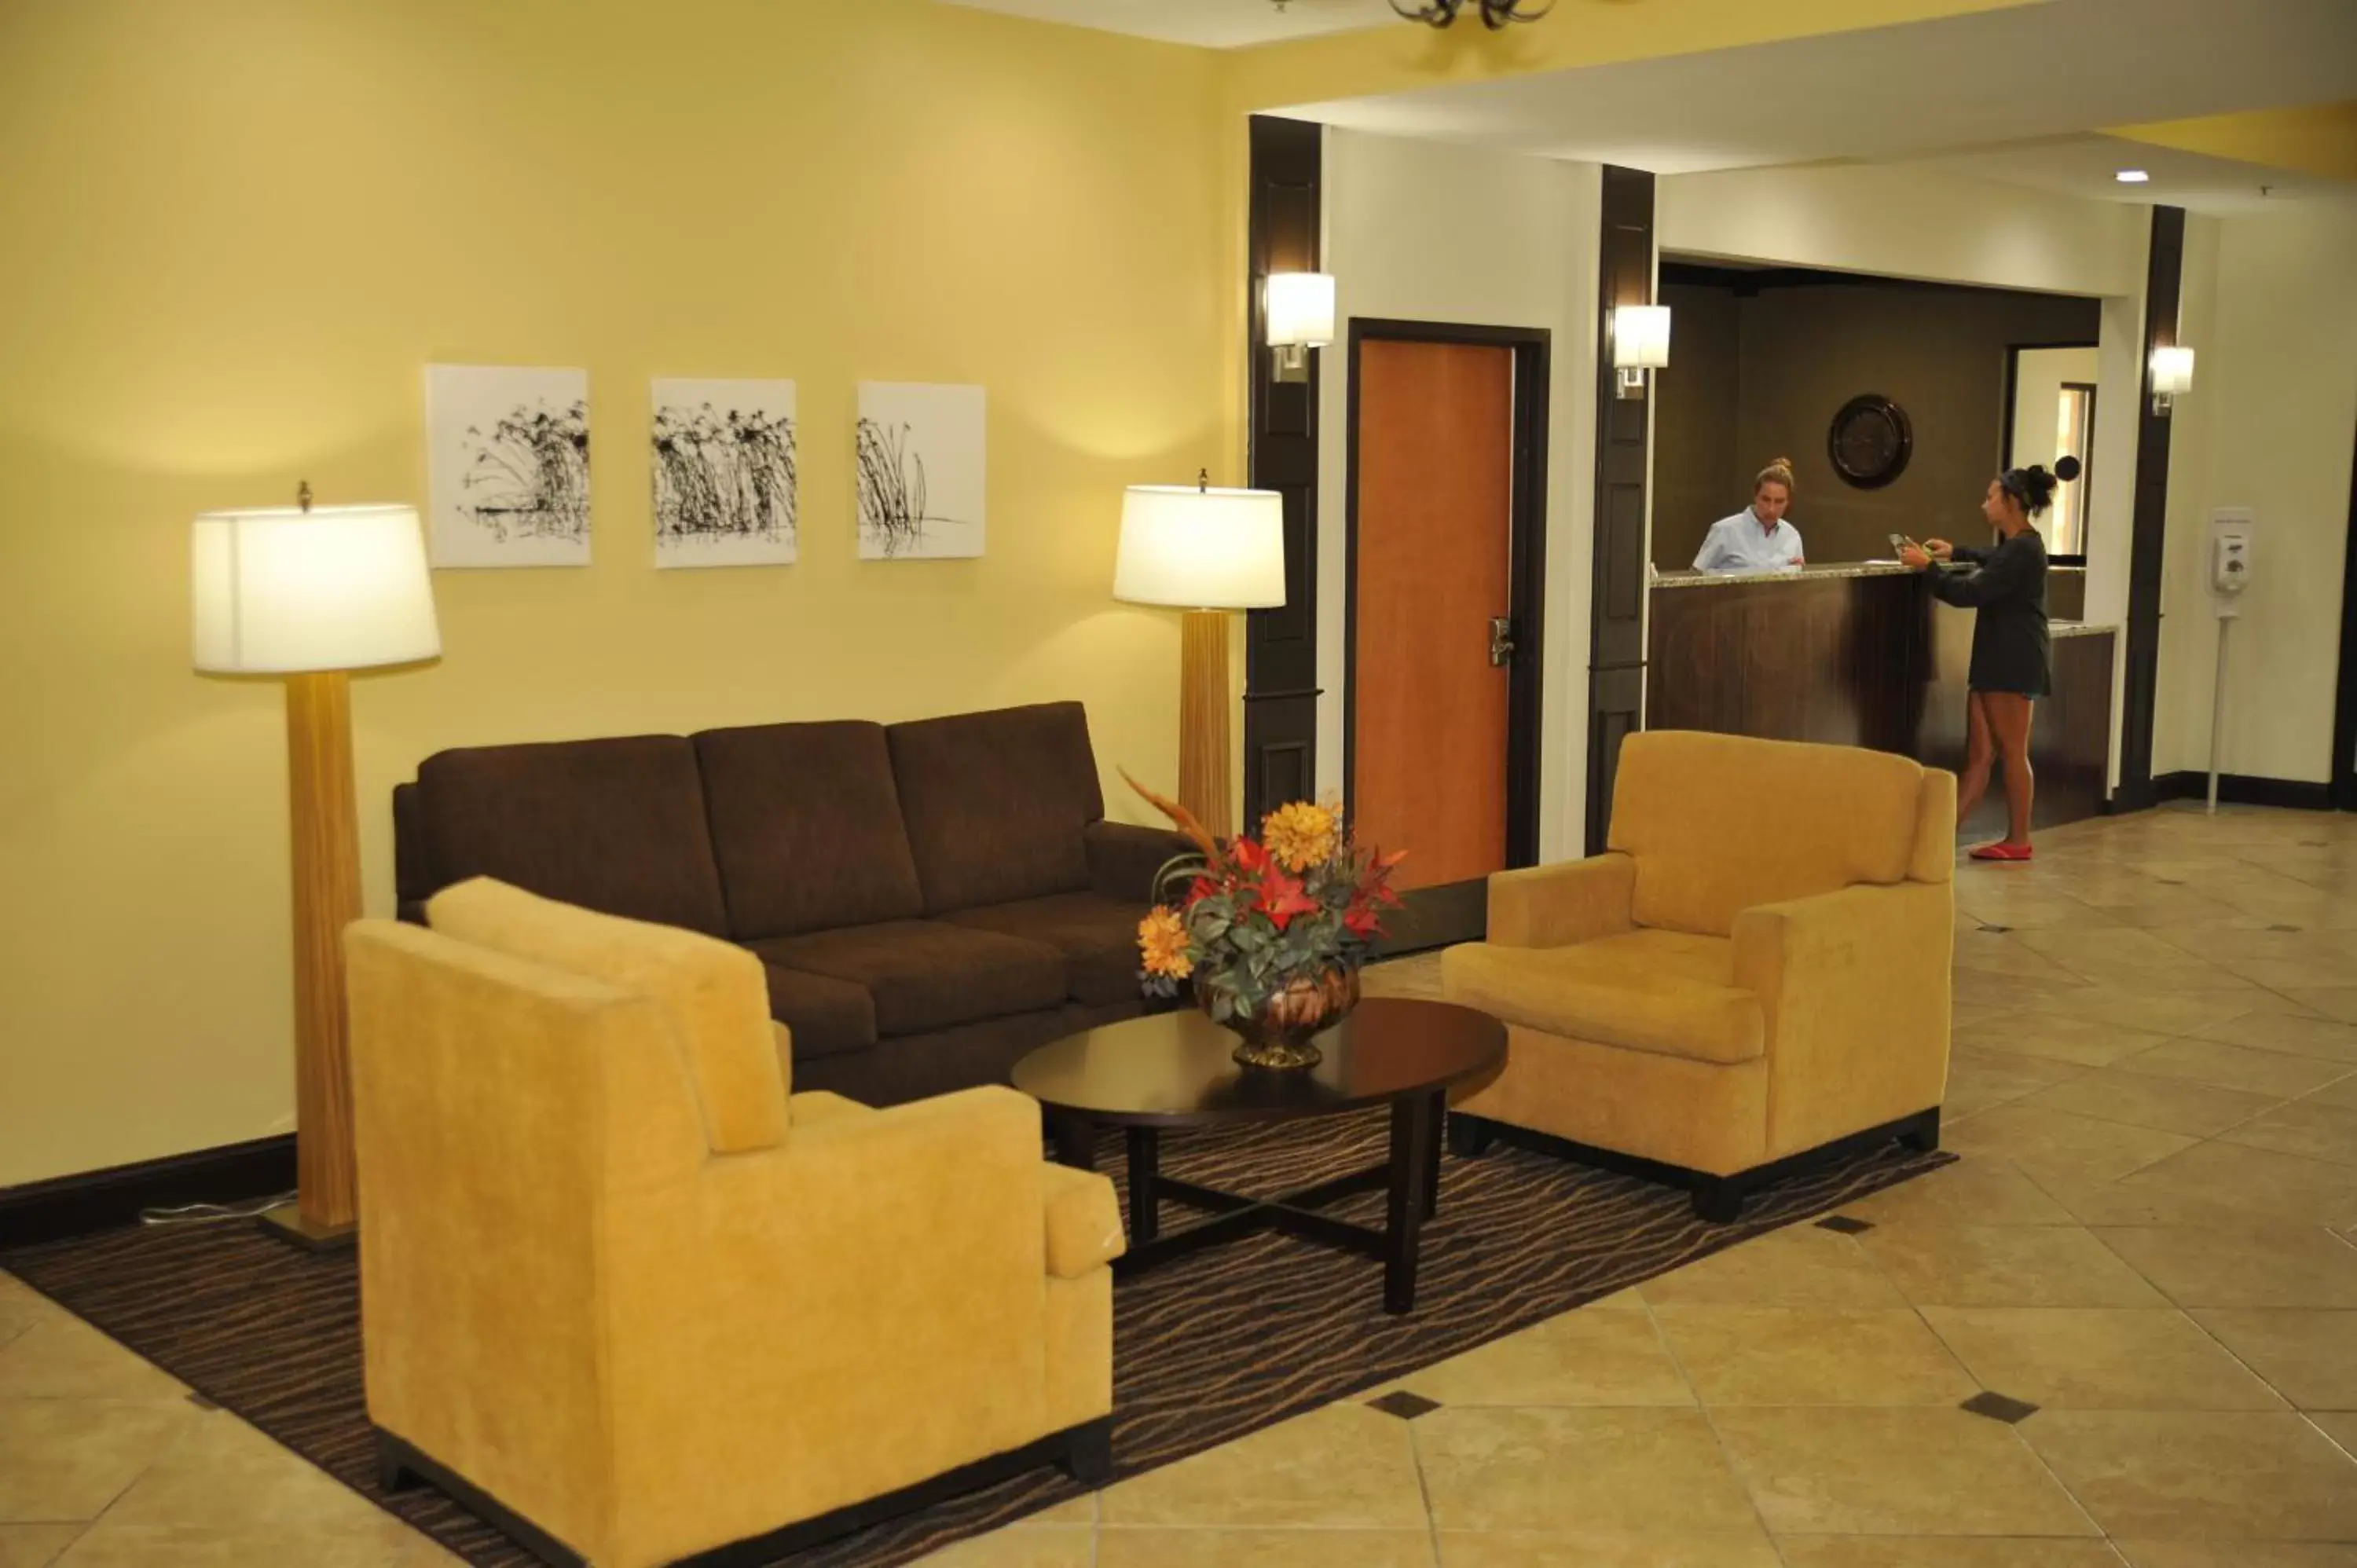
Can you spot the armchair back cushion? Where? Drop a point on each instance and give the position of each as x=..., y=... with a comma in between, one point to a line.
x=1718, y=823
x=715, y=994
x=999, y=804
x=806, y=827
x=616, y=825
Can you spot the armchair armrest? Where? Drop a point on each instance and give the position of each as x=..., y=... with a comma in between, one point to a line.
x=1122, y=858
x=1855, y=988
x=868, y=1296
x=1558, y=906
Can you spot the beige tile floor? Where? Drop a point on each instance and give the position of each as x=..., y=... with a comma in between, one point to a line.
x=2149, y=1236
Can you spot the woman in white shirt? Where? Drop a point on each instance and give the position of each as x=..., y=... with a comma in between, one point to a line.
x=1756, y=539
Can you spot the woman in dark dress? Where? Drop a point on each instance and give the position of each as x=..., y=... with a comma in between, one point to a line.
x=2011, y=666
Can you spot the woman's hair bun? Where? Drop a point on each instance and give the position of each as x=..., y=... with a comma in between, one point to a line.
x=2033, y=487
x=2067, y=467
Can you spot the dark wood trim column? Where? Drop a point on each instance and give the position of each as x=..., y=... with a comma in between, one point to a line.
x=1281, y=645
x=1616, y=661
x=2164, y=277
x=2344, y=712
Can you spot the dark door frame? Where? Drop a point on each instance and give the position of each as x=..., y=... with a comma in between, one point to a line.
x=2345, y=713
x=2012, y=405
x=1455, y=914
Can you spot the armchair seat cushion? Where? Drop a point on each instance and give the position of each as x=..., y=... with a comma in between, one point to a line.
x=1669, y=993
x=1084, y=1221
x=1097, y=936
x=923, y=975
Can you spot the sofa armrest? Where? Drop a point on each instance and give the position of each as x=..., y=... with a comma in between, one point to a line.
x=1855, y=988
x=1122, y=859
x=1561, y=905
x=1084, y=1232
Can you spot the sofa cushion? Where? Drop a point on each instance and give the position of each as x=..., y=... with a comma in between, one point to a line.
x=616, y=825
x=822, y=1017
x=711, y=991
x=1665, y=992
x=1720, y=823
x=997, y=803
x=922, y=976
x=1097, y=936
x=806, y=828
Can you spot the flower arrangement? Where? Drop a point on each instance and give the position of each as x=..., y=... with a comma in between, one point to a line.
x=1271, y=931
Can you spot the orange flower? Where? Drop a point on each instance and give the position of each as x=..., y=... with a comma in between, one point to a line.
x=1301, y=835
x=1162, y=938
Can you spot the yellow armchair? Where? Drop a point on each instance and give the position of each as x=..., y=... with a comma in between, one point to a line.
x=1756, y=969
x=631, y=1324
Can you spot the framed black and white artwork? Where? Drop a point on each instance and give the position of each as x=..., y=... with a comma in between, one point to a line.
x=919, y=463
x=724, y=460
x=508, y=466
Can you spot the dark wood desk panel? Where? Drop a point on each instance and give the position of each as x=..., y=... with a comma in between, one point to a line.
x=1867, y=661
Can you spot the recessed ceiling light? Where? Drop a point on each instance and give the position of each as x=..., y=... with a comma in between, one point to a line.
x=2132, y=176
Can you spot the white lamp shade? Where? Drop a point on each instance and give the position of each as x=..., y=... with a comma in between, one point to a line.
x=1201, y=549
x=2172, y=370
x=1641, y=337
x=280, y=590
x=1300, y=310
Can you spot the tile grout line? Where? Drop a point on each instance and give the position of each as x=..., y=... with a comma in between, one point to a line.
x=1719, y=1439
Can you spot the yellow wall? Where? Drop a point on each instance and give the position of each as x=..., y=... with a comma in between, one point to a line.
x=237, y=228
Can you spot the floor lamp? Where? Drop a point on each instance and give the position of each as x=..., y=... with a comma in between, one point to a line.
x=1207, y=551
x=310, y=594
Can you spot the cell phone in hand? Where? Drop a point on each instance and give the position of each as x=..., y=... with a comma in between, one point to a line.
x=1900, y=545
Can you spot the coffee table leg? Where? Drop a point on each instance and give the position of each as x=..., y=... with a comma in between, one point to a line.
x=1145, y=1170
x=1432, y=1154
x=1076, y=1140
x=1412, y=1140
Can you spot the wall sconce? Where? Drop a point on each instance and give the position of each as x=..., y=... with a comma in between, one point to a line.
x=2172, y=372
x=1300, y=318
x=1641, y=342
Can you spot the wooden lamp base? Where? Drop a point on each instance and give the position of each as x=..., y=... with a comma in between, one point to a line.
x=327, y=865
x=1205, y=769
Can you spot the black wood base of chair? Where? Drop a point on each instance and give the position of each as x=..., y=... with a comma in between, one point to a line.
x=1717, y=1199
x=1084, y=1452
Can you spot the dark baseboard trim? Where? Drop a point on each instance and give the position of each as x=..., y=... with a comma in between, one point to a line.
x=103, y=1200
x=2246, y=789
x=1085, y=1450
x=1717, y=1200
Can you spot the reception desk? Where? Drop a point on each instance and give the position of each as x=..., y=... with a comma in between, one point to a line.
x=1863, y=655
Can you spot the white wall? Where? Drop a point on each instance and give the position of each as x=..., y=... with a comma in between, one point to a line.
x=1429, y=232
x=1907, y=222
x=2268, y=426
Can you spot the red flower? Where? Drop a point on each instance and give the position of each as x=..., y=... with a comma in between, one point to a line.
x=1203, y=887
x=1247, y=857
x=1281, y=898
x=1360, y=920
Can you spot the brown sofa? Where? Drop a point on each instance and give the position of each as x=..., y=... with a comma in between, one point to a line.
x=929, y=900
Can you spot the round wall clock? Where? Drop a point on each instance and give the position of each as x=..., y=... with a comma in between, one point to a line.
x=1870, y=441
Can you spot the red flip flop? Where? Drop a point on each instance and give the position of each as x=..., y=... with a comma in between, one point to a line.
x=2002, y=851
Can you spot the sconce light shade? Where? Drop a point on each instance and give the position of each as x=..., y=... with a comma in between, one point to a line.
x=1300, y=310
x=1200, y=548
x=2172, y=370
x=1641, y=337
x=282, y=590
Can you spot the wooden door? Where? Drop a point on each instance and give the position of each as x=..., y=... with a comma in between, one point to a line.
x=1431, y=551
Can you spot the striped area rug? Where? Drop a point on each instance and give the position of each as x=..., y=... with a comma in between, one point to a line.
x=1206, y=1349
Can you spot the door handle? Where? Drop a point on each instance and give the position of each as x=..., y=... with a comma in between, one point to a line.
x=1501, y=641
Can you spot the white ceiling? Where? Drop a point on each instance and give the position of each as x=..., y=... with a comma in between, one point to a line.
x=2084, y=166
x=2046, y=72
x=1215, y=24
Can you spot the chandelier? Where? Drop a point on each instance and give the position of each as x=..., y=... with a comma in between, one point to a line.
x=1495, y=14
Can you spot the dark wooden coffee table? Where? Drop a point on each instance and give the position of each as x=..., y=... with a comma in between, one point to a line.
x=1176, y=1070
